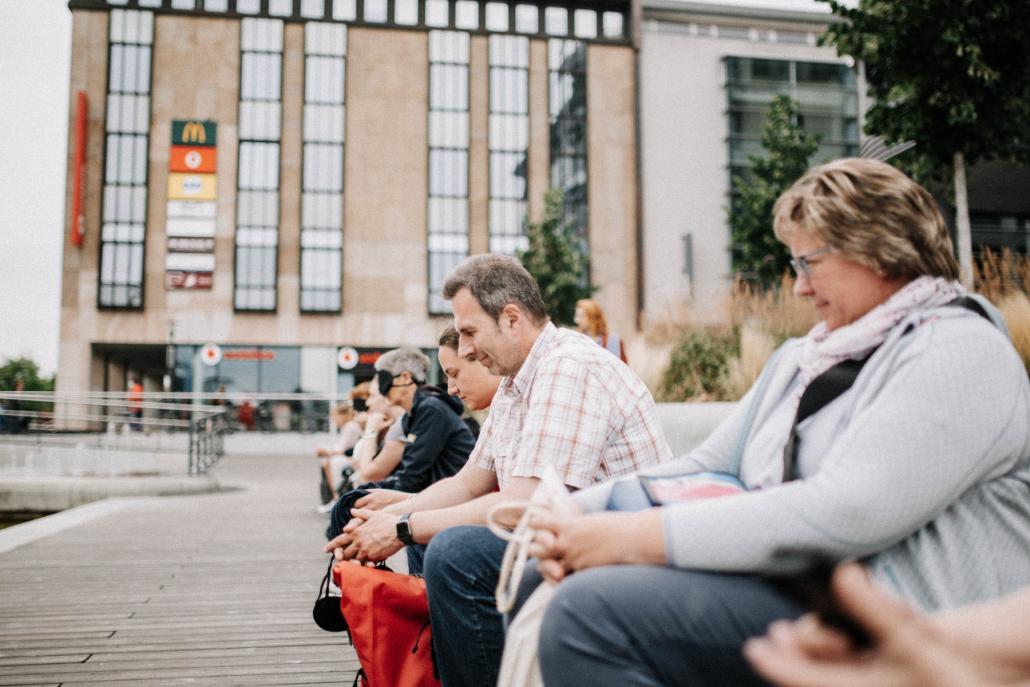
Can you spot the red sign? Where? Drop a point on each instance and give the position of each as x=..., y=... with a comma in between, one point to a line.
x=248, y=354
x=176, y=279
x=79, y=182
x=193, y=159
x=369, y=358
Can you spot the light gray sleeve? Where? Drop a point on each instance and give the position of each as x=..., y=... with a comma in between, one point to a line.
x=952, y=410
x=718, y=453
x=396, y=430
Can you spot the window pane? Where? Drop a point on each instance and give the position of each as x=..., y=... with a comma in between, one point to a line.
x=405, y=12
x=437, y=13
x=375, y=11
x=527, y=19
x=496, y=16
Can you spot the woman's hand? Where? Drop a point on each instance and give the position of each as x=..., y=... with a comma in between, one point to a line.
x=565, y=545
x=911, y=650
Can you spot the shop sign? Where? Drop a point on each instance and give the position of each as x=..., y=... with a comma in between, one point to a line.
x=190, y=262
x=179, y=279
x=179, y=244
x=347, y=358
x=193, y=159
x=191, y=209
x=198, y=228
x=211, y=354
x=191, y=186
x=249, y=354
x=193, y=132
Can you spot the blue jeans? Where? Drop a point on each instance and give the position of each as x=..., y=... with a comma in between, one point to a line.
x=651, y=626
x=462, y=565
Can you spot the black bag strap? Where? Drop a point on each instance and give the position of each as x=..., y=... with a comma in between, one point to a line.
x=820, y=393
x=838, y=379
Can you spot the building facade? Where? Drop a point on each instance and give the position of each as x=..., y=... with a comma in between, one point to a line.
x=263, y=194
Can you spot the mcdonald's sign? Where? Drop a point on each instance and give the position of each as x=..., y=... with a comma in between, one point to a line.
x=193, y=133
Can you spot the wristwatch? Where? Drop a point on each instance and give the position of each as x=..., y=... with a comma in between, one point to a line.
x=404, y=530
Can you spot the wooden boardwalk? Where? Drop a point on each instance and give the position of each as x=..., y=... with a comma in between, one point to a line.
x=201, y=590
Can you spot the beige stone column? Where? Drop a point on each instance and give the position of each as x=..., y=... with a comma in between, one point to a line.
x=611, y=179
x=385, y=178
x=479, y=144
x=290, y=162
x=539, y=130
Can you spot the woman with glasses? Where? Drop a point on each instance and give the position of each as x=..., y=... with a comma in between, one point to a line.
x=897, y=432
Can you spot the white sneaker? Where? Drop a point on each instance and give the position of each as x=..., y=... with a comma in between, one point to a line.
x=326, y=508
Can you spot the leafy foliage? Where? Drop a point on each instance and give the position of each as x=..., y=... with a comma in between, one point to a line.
x=698, y=366
x=757, y=255
x=556, y=260
x=952, y=75
x=27, y=371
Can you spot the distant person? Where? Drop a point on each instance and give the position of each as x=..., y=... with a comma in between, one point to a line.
x=589, y=319
x=135, y=404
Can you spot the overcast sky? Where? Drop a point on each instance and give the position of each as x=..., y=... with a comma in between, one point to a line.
x=35, y=45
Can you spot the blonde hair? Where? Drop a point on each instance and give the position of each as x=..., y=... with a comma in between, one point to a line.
x=872, y=214
x=596, y=324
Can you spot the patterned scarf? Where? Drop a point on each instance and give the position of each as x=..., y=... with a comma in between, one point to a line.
x=823, y=349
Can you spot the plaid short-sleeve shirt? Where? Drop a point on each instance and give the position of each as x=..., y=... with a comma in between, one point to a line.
x=573, y=406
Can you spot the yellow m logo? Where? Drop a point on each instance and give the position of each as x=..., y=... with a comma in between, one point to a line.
x=193, y=132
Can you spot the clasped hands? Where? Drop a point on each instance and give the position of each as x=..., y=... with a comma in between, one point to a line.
x=371, y=534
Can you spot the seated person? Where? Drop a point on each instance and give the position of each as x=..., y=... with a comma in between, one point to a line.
x=983, y=645
x=378, y=453
x=333, y=459
x=436, y=440
x=564, y=403
x=919, y=469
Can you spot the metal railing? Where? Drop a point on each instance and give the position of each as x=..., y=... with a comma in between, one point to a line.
x=109, y=432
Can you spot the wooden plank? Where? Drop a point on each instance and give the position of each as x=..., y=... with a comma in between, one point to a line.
x=213, y=589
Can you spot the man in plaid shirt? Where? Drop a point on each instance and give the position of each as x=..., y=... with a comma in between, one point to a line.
x=564, y=402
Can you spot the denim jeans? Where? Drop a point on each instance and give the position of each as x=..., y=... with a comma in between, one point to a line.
x=651, y=626
x=462, y=565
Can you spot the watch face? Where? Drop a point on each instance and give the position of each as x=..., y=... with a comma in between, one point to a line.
x=404, y=530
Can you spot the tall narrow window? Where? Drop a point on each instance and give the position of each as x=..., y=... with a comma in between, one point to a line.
x=321, y=233
x=509, y=142
x=567, y=67
x=448, y=230
x=124, y=226
x=257, y=182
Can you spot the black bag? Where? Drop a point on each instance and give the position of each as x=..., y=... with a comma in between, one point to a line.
x=327, y=613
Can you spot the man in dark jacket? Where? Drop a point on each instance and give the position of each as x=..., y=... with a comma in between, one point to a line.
x=437, y=441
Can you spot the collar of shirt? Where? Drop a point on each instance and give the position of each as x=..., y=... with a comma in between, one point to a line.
x=517, y=384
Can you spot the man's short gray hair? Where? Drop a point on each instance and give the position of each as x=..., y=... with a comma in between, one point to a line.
x=496, y=281
x=405, y=359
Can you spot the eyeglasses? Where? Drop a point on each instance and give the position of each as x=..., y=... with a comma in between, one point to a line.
x=801, y=264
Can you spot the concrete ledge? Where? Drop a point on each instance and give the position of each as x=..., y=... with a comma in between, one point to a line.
x=28, y=532
x=51, y=494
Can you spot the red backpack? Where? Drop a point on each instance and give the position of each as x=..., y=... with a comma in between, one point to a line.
x=388, y=619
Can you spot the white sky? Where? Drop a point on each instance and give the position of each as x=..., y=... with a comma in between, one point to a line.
x=35, y=45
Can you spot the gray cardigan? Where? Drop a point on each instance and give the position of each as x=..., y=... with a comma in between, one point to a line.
x=922, y=468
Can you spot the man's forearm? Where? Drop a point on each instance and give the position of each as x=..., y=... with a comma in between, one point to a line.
x=426, y=524
x=443, y=494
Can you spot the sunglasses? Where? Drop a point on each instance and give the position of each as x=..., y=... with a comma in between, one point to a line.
x=386, y=381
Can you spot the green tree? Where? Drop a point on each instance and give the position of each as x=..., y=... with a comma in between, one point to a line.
x=556, y=260
x=951, y=75
x=757, y=255
x=27, y=371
